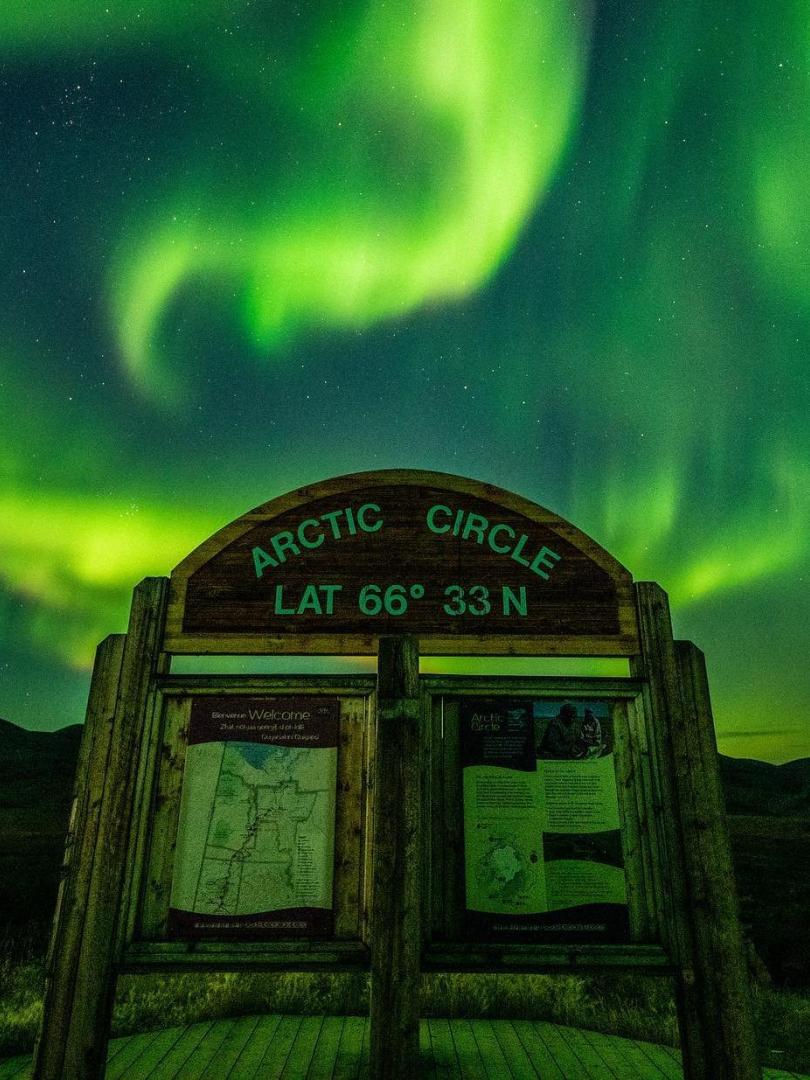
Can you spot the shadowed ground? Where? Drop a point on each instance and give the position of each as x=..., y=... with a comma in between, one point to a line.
x=336, y=1047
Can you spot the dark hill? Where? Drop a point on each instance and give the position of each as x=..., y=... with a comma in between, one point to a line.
x=756, y=787
x=36, y=785
x=33, y=755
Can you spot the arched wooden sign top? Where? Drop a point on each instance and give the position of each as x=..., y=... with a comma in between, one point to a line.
x=469, y=568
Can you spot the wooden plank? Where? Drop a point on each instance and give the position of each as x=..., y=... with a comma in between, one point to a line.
x=83, y=852
x=632, y=1062
x=326, y=1049
x=664, y=716
x=278, y=1051
x=643, y=791
x=540, y=1055
x=504, y=956
x=448, y=836
x=15, y=1067
x=261, y=955
x=594, y=1065
x=630, y=832
x=191, y=1037
x=564, y=1056
x=661, y=1058
x=445, y=1059
x=367, y=828
x=302, y=1049
x=607, y=1048
x=720, y=960
x=230, y=1048
x=183, y=685
x=430, y=755
x=165, y=816
x=347, y=1063
x=130, y=1052
x=490, y=1049
x=86, y=1042
x=532, y=686
x=426, y=1062
x=471, y=1067
x=365, y=1048
x=351, y=796
x=520, y=1062
x=618, y=646
x=116, y=1046
x=206, y=1051
x=153, y=1054
x=250, y=1056
x=140, y=826
x=396, y=872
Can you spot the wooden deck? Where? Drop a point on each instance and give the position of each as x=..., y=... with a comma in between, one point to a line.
x=336, y=1048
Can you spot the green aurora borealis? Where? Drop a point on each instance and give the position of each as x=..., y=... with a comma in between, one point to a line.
x=559, y=248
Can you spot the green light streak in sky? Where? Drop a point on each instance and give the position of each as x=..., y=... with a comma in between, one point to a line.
x=740, y=554
x=76, y=561
x=776, y=146
x=479, y=95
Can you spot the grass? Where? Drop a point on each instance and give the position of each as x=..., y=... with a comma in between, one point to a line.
x=620, y=1004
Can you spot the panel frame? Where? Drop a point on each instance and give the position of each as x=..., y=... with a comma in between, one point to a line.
x=446, y=949
x=145, y=943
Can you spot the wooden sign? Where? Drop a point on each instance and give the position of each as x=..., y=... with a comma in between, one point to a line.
x=442, y=823
x=466, y=567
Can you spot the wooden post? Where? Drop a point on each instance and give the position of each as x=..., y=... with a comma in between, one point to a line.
x=662, y=706
x=708, y=1053
x=80, y=852
x=396, y=936
x=72, y=1041
x=718, y=939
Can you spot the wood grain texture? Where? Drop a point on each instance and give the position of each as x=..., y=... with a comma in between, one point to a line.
x=396, y=873
x=81, y=854
x=721, y=967
x=714, y=1011
x=631, y=835
x=585, y=605
x=333, y=1047
x=111, y=779
x=663, y=713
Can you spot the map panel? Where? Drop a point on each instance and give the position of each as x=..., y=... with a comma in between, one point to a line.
x=255, y=841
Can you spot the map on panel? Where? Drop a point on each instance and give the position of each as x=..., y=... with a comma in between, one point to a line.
x=255, y=841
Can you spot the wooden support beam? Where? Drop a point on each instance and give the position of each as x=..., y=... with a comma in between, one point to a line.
x=64, y=952
x=662, y=707
x=720, y=961
x=72, y=1042
x=396, y=874
x=676, y=707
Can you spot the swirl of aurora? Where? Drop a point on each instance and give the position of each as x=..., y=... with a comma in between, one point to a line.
x=387, y=157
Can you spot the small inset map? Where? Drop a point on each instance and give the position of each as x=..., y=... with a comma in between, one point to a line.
x=505, y=869
x=256, y=832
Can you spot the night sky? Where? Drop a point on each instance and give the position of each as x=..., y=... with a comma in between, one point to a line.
x=555, y=247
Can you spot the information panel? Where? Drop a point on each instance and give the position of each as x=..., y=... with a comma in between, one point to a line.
x=542, y=842
x=255, y=842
